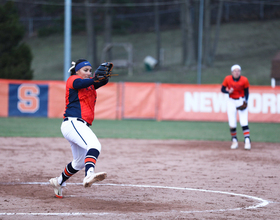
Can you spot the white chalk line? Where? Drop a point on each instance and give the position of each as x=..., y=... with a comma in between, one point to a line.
x=262, y=202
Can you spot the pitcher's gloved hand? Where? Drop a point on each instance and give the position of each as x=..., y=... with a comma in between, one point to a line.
x=103, y=72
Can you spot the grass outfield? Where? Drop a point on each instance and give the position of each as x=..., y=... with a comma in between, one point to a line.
x=140, y=129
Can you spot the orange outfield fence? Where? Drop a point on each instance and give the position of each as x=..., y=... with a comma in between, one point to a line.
x=127, y=100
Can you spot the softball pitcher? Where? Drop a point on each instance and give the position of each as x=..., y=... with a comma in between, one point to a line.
x=79, y=115
x=237, y=87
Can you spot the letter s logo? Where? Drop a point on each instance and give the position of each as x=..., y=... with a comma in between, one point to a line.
x=28, y=98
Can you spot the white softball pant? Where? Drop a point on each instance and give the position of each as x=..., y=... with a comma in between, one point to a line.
x=81, y=139
x=232, y=104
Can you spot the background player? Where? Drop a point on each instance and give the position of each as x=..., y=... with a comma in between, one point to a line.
x=79, y=115
x=237, y=87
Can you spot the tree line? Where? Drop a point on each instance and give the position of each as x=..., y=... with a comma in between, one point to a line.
x=103, y=17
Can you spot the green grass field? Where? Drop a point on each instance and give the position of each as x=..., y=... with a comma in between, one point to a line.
x=140, y=129
x=250, y=44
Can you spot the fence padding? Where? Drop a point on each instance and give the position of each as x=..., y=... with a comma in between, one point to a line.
x=129, y=100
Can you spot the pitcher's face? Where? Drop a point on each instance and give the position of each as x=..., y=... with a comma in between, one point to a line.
x=84, y=72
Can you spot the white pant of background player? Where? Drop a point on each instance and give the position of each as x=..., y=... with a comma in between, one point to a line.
x=232, y=104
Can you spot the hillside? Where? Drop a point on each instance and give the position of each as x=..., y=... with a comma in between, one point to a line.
x=251, y=44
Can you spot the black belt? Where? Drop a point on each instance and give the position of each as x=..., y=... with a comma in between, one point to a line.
x=78, y=119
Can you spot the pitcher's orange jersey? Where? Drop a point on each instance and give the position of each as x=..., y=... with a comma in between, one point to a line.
x=80, y=103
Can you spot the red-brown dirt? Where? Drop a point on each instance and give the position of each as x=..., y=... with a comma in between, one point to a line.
x=147, y=179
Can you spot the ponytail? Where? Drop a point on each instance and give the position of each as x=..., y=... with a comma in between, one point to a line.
x=74, y=64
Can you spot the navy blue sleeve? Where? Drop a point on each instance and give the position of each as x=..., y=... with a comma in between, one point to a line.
x=246, y=94
x=82, y=83
x=223, y=89
x=101, y=83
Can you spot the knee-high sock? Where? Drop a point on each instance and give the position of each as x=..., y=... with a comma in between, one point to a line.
x=233, y=133
x=90, y=159
x=246, y=131
x=67, y=173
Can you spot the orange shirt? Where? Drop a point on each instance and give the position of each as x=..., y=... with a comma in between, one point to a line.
x=238, y=86
x=80, y=103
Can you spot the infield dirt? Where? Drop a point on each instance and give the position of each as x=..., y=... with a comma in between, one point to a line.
x=147, y=179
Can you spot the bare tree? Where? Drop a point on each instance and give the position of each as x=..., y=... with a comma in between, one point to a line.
x=183, y=31
x=108, y=29
x=157, y=29
x=91, y=38
x=217, y=32
x=188, y=33
x=207, y=33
